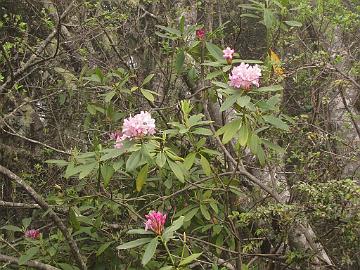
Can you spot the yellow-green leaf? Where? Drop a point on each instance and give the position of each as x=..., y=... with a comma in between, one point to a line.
x=141, y=177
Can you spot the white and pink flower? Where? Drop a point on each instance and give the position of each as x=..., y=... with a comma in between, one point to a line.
x=136, y=127
x=244, y=76
x=228, y=54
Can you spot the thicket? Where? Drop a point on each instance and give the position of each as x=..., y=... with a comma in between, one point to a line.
x=179, y=134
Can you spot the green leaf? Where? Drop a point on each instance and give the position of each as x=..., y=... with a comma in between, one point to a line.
x=205, y=212
x=243, y=135
x=214, y=206
x=147, y=94
x=147, y=79
x=73, y=219
x=177, y=224
x=139, y=231
x=276, y=122
x=189, y=259
x=205, y=165
x=149, y=251
x=230, y=130
x=247, y=61
x=112, y=153
x=273, y=146
x=272, y=88
x=189, y=160
x=58, y=162
x=160, y=159
x=141, y=177
x=30, y=253
x=102, y=248
x=228, y=102
x=176, y=170
x=254, y=143
x=133, y=161
x=11, y=228
x=26, y=222
x=86, y=169
x=91, y=108
x=215, y=51
x=191, y=214
x=107, y=172
x=293, y=23
x=202, y=131
x=269, y=18
x=135, y=243
x=221, y=84
x=109, y=96
x=214, y=74
x=168, y=267
x=179, y=61
x=170, y=30
x=182, y=24
x=242, y=101
x=71, y=170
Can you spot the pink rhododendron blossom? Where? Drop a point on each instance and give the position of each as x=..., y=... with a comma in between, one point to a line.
x=33, y=234
x=228, y=53
x=134, y=127
x=118, y=138
x=200, y=33
x=155, y=222
x=138, y=126
x=244, y=76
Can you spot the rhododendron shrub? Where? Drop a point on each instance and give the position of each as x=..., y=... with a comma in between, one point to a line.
x=148, y=166
x=177, y=165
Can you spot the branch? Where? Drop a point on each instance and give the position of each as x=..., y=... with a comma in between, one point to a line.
x=8, y=62
x=349, y=111
x=42, y=203
x=242, y=169
x=34, y=264
x=31, y=62
x=31, y=140
x=19, y=205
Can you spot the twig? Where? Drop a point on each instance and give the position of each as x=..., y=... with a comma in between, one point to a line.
x=349, y=111
x=19, y=205
x=346, y=76
x=34, y=56
x=31, y=140
x=242, y=169
x=43, y=204
x=32, y=263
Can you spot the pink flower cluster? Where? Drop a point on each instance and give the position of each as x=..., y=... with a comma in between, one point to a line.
x=155, y=222
x=33, y=234
x=117, y=137
x=244, y=76
x=134, y=127
x=228, y=53
x=201, y=33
